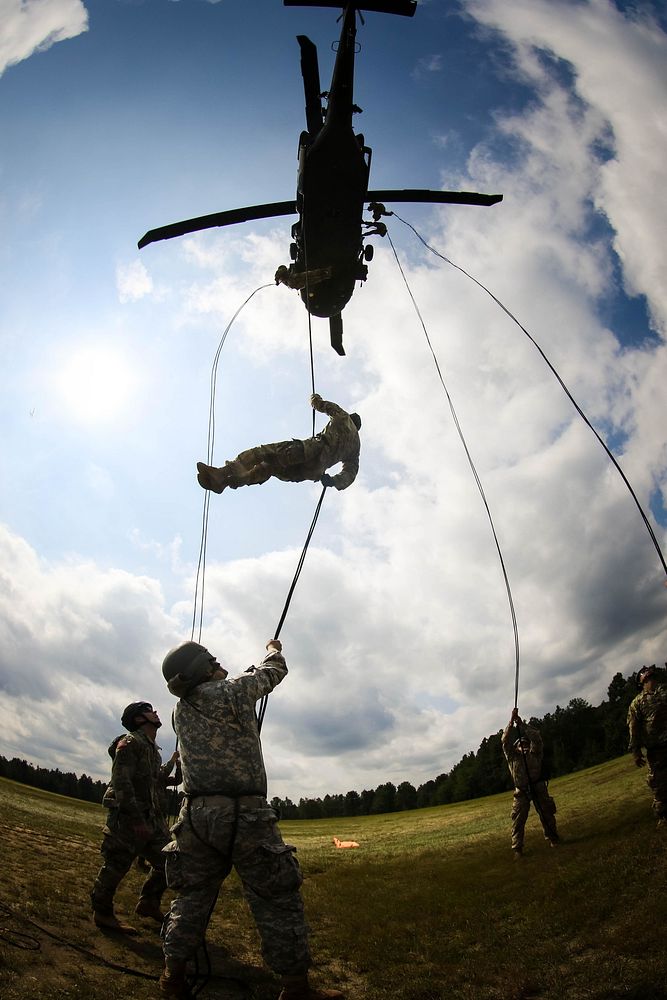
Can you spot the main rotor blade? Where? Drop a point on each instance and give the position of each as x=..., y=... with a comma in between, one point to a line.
x=405, y=7
x=230, y=218
x=435, y=197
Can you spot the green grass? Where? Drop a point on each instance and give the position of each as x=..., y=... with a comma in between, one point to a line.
x=432, y=905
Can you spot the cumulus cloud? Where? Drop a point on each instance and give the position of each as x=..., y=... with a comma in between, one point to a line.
x=596, y=38
x=30, y=26
x=78, y=644
x=133, y=281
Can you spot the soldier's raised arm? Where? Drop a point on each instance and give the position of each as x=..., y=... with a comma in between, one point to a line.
x=326, y=406
x=344, y=478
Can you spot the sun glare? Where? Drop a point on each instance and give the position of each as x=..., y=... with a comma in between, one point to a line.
x=96, y=383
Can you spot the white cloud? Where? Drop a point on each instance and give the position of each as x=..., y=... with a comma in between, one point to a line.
x=133, y=281
x=30, y=26
x=428, y=64
x=619, y=63
x=78, y=644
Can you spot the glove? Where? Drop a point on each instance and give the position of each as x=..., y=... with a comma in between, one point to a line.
x=327, y=480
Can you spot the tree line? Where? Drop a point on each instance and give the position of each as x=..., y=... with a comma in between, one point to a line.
x=575, y=737
x=52, y=780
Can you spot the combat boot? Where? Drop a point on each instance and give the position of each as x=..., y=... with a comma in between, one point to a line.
x=106, y=920
x=172, y=981
x=298, y=988
x=149, y=908
x=211, y=478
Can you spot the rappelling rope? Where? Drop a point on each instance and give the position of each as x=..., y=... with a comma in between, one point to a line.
x=261, y=711
x=474, y=472
x=198, y=604
x=201, y=564
x=560, y=380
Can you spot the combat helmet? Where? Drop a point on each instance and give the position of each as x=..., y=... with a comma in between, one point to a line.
x=644, y=675
x=185, y=666
x=129, y=717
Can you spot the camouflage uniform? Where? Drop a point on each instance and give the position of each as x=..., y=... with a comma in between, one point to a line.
x=133, y=801
x=225, y=822
x=295, y=461
x=647, y=722
x=528, y=785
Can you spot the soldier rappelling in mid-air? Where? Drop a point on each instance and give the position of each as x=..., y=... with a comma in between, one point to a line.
x=295, y=461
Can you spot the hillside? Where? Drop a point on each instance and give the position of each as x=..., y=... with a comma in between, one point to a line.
x=432, y=905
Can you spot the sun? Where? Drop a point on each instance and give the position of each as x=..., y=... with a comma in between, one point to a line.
x=96, y=383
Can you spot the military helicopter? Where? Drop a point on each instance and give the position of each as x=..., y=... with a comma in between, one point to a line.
x=328, y=253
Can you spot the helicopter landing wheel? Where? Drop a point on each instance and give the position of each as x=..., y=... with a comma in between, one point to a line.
x=369, y=250
x=293, y=251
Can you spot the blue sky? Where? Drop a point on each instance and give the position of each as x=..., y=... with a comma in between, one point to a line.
x=117, y=117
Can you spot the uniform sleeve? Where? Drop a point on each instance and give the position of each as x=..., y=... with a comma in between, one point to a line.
x=347, y=475
x=635, y=729
x=507, y=740
x=325, y=406
x=122, y=778
x=261, y=680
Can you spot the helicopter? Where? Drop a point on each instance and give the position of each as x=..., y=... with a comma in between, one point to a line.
x=328, y=254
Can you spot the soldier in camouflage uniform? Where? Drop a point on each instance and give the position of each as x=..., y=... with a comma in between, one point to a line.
x=136, y=825
x=524, y=759
x=647, y=722
x=226, y=822
x=295, y=461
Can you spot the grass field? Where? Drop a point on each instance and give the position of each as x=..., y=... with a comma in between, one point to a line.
x=431, y=906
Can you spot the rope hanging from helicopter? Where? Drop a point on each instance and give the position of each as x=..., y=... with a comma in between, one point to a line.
x=200, y=578
x=476, y=477
x=553, y=370
x=198, y=602
x=261, y=708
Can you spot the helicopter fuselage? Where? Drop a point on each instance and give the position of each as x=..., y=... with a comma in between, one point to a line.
x=332, y=183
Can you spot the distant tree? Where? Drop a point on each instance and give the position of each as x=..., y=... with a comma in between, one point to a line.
x=384, y=800
x=352, y=806
x=366, y=803
x=443, y=790
x=425, y=794
x=310, y=809
x=406, y=796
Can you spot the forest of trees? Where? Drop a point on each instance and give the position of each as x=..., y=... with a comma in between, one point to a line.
x=62, y=782
x=575, y=737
